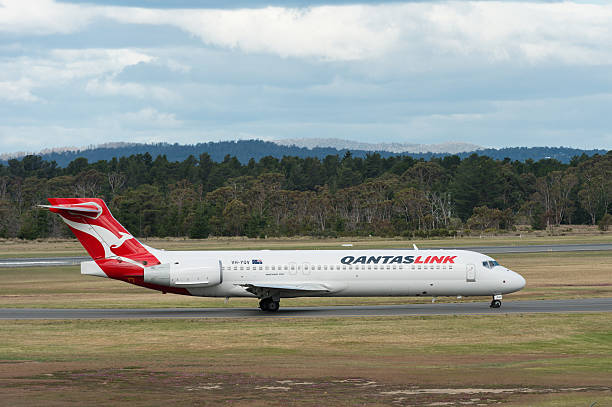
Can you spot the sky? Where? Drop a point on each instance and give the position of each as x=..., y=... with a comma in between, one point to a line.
x=491, y=73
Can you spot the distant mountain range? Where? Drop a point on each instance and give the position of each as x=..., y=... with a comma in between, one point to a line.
x=244, y=150
x=339, y=144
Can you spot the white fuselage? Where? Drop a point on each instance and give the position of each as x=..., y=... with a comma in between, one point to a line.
x=351, y=272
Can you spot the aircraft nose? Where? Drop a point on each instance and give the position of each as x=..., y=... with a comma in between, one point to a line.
x=517, y=282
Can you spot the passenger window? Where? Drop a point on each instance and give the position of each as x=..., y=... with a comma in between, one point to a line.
x=287, y=268
x=412, y=267
x=450, y=267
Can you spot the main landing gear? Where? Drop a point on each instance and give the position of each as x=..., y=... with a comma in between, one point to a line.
x=269, y=304
x=496, y=302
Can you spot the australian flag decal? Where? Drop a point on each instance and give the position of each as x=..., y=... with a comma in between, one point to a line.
x=257, y=261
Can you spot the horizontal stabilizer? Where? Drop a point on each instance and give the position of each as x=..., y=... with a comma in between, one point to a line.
x=87, y=209
x=91, y=268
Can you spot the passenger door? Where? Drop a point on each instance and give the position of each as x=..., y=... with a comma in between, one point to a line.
x=470, y=273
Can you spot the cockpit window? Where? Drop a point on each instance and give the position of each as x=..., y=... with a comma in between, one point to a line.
x=490, y=264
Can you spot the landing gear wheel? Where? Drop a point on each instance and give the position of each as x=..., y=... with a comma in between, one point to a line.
x=263, y=304
x=273, y=306
x=268, y=304
x=495, y=304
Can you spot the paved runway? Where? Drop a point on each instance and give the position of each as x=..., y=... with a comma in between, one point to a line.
x=467, y=308
x=67, y=261
x=41, y=261
x=537, y=248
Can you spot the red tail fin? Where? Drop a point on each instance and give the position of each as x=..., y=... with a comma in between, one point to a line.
x=99, y=233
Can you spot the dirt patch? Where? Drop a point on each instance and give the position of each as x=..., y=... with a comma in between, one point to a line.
x=186, y=385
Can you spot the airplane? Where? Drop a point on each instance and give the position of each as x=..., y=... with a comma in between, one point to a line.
x=270, y=275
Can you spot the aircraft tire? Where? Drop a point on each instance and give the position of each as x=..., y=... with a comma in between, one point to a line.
x=273, y=306
x=495, y=304
x=268, y=304
x=263, y=304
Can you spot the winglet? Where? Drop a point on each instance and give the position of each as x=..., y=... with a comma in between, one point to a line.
x=415, y=246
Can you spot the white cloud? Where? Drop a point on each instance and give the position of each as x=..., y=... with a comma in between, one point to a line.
x=41, y=17
x=17, y=91
x=131, y=89
x=492, y=31
x=20, y=76
x=176, y=66
x=416, y=71
x=535, y=32
x=150, y=117
x=93, y=62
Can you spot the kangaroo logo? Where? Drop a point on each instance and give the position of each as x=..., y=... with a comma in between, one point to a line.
x=124, y=237
x=107, y=239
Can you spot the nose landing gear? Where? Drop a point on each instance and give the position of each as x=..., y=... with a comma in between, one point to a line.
x=496, y=302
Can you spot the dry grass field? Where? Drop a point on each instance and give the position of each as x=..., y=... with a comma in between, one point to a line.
x=522, y=360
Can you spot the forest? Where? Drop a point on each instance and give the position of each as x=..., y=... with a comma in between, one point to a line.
x=292, y=196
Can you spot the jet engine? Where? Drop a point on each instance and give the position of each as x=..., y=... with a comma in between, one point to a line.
x=206, y=273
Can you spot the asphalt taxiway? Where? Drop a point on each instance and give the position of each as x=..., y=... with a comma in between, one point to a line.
x=465, y=308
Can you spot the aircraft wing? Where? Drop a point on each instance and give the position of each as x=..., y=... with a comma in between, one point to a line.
x=286, y=289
